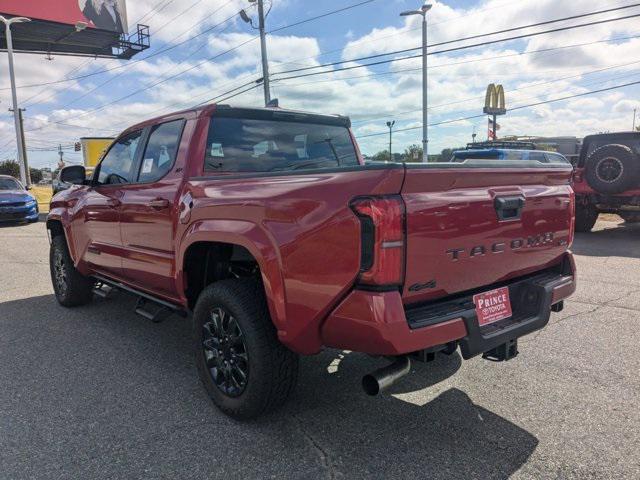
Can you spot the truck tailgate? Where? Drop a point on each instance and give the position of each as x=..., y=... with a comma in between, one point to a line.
x=474, y=226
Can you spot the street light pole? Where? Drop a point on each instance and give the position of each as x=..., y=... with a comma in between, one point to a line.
x=25, y=178
x=390, y=125
x=425, y=124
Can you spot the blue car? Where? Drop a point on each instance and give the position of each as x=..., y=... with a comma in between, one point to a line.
x=472, y=154
x=16, y=203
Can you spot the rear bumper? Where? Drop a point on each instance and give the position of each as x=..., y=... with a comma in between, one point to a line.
x=378, y=323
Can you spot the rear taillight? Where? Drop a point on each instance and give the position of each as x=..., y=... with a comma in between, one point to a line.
x=382, y=241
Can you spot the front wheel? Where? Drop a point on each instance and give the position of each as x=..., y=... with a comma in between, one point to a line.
x=586, y=217
x=242, y=364
x=70, y=287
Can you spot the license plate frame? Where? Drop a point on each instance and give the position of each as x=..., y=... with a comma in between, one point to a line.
x=492, y=306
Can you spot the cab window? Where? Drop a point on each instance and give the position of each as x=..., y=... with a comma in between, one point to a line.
x=161, y=151
x=117, y=165
x=253, y=145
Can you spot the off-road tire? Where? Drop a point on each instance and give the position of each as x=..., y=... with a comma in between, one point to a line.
x=272, y=368
x=586, y=217
x=630, y=217
x=70, y=286
x=612, y=169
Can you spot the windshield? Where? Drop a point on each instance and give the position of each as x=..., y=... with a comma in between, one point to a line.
x=248, y=145
x=9, y=184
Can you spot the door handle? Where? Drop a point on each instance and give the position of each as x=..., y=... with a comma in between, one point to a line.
x=114, y=202
x=159, y=203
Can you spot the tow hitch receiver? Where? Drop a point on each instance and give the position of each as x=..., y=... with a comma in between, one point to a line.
x=503, y=352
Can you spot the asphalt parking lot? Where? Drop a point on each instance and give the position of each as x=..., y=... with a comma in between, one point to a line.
x=98, y=392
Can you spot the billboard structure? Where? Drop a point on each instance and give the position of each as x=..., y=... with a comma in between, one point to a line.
x=74, y=27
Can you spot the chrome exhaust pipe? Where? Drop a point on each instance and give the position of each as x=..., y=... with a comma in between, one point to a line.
x=384, y=377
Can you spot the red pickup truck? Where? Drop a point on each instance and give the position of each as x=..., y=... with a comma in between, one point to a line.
x=267, y=228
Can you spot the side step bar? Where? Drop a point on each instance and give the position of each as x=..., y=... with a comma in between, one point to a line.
x=144, y=300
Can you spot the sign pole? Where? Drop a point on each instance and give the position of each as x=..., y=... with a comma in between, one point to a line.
x=495, y=122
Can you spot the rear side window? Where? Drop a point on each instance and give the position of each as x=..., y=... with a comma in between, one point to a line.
x=161, y=151
x=116, y=167
x=251, y=145
x=557, y=158
x=538, y=157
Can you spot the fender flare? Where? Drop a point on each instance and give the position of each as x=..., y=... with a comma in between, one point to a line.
x=257, y=241
x=61, y=215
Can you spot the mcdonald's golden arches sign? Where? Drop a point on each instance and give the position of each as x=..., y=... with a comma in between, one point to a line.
x=494, y=103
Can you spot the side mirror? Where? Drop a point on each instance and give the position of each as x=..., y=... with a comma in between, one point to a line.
x=74, y=174
x=28, y=187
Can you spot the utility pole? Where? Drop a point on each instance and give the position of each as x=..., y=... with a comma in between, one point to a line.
x=22, y=161
x=425, y=124
x=265, y=59
x=390, y=125
x=634, y=120
x=263, y=46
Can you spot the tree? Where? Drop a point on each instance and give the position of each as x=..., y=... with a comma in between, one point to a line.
x=10, y=167
x=413, y=153
x=36, y=175
x=446, y=153
x=381, y=156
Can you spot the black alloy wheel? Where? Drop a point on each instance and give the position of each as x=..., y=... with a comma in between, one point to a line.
x=225, y=352
x=59, y=272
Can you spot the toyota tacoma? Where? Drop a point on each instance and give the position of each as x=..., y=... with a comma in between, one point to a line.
x=268, y=231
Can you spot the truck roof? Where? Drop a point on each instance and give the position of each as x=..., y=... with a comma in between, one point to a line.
x=249, y=112
x=589, y=138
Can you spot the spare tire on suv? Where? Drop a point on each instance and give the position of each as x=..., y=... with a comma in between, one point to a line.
x=612, y=169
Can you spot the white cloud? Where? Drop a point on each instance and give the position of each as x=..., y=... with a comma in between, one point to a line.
x=457, y=80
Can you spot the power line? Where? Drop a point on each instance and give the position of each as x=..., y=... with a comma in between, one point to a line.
x=544, y=50
x=157, y=8
x=111, y=79
x=526, y=87
x=129, y=95
x=323, y=15
x=133, y=62
x=464, y=47
x=431, y=25
x=419, y=69
x=172, y=47
x=418, y=56
x=520, y=107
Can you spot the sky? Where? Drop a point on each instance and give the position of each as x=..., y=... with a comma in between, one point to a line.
x=105, y=104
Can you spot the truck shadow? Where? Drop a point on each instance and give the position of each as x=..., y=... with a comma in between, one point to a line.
x=418, y=429
x=620, y=241
x=100, y=368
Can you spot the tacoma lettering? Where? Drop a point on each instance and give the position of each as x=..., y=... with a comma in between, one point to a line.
x=500, y=247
